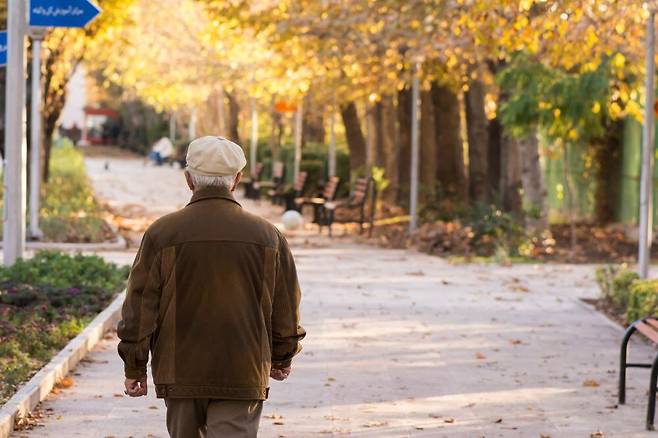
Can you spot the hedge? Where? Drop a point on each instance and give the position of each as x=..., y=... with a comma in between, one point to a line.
x=626, y=292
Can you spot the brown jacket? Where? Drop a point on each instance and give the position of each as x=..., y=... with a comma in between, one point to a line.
x=213, y=294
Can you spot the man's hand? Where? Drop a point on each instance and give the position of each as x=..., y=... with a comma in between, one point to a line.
x=280, y=373
x=136, y=387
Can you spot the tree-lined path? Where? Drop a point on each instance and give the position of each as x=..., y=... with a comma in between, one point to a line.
x=399, y=344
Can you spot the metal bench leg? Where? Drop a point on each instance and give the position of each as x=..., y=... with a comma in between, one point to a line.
x=651, y=410
x=622, y=364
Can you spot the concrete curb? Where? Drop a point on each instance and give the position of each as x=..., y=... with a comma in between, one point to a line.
x=43, y=381
x=118, y=245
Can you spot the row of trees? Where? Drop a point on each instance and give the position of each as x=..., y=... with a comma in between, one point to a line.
x=495, y=74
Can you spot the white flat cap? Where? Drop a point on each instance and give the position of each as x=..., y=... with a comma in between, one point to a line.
x=215, y=156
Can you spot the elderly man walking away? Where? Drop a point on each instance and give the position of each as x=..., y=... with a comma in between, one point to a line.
x=213, y=294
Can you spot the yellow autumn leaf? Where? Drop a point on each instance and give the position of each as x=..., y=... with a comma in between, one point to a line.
x=619, y=60
x=525, y=5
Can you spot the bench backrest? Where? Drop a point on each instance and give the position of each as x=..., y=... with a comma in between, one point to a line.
x=360, y=191
x=330, y=188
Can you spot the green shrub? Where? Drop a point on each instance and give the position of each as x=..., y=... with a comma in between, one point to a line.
x=69, y=212
x=316, y=173
x=642, y=300
x=44, y=302
x=59, y=270
x=495, y=231
x=615, y=283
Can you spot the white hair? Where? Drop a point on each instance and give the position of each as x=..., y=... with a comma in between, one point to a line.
x=201, y=181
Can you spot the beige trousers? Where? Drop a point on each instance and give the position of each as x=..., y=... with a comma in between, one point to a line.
x=208, y=418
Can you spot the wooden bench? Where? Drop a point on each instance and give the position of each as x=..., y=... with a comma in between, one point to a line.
x=328, y=194
x=297, y=191
x=251, y=184
x=363, y=188
x=648, y=327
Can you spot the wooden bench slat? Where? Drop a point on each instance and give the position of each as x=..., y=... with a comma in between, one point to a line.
x=647, y=331
x=652, y=322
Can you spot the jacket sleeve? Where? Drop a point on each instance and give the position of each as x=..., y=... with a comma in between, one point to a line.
x=140, y=310
x=286, y=331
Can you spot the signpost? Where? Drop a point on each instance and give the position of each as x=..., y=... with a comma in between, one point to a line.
x=646, y=193
x=413, y=189
x=3, y=49
x=298, y=138
x=35, y=135
x=62, y=13
x=42, y=14
x=15, y=146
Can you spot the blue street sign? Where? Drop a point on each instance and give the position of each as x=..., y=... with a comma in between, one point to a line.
x=3, y=49
x=62, y=13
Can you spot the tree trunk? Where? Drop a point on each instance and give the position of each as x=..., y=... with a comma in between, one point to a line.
x=428, y=153
x=313, y=123
x=607, y=155
x=449, y=146
x=478, y=147
x=53, y=104
x=534, y=185
x=373, y=127
x=378, y=157
x=404, y=144
x=233, y=118
x=510, y=182
x=569, y=195
x=276, y=131
x=495, y=160
x=356, y=143
x=389, y=149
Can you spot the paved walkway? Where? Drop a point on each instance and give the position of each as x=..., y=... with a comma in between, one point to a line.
x=400, y=344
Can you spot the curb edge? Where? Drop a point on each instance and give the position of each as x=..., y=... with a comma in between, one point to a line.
x=41, y=384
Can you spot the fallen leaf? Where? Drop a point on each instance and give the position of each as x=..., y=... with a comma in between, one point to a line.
x=500, y=420
x=65, y=383
x=597, y=434
x=591, y=383
x=516, y=341
x=417, y=273
x=480, y=356
x=376, y=424
x=449, y=420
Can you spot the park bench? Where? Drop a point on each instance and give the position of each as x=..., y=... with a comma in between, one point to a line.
x=363, y=187
x=297, y=191
x=328, y=194
x=648, y=327
x=251, y=190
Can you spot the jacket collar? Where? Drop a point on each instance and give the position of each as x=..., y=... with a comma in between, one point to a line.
x=212, y=193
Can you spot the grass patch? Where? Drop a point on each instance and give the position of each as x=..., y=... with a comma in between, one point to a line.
x=45, y=302
x=69, y=212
